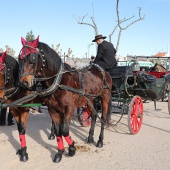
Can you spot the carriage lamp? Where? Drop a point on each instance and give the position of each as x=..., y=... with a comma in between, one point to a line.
x=135, y=66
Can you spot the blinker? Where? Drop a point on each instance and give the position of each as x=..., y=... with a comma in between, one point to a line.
x=33, y=58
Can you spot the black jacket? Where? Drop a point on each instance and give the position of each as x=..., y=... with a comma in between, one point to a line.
x=106, y=55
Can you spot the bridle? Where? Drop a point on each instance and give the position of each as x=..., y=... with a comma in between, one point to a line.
x=3, y=70
x=10, y=91
x=39, y=53
x=33, y=59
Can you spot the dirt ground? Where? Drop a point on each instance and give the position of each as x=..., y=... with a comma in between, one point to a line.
x=147, y=150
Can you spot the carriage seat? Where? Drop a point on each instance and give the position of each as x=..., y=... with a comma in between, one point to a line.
x=157, y=74
x=118, y=74
x=120, y=71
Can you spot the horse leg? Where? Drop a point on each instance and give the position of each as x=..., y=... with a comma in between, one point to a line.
x=94, y=117
x=91, y=132
x=21, y=117
x=58, y=133
x=59, y=154
x=106, y=110
x=65, y=133
x=52, y=134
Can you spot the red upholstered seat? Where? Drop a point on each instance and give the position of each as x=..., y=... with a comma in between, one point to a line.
x=157, y=74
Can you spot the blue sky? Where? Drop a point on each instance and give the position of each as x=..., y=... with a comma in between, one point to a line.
x=54, y=22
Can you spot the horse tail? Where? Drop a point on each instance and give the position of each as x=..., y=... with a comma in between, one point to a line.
x=108, y=119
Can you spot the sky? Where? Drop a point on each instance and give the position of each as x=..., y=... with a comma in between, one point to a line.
x=55, y=22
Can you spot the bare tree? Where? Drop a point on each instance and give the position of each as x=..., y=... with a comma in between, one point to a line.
x=119, y=22
x=69, y=53
x=56, y=49
x=118, y=25
x=93, y=25
x=10, y=51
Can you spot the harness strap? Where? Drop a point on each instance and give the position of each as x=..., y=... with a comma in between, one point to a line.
x=81, y=84
x=105, y=84
x=20, y=101
x=15, y=89
x=55, y=84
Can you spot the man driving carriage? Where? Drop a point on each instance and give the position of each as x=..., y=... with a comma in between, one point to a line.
x=105, y=57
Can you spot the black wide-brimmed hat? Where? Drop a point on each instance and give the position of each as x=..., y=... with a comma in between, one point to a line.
x=99, y=37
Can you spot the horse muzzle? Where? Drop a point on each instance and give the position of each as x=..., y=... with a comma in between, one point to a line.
x=27, y=81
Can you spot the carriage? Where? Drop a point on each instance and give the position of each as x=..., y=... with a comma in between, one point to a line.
x=134, y=84
x=45, y=80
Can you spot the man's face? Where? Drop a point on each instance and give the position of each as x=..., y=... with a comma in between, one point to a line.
x=99, y=41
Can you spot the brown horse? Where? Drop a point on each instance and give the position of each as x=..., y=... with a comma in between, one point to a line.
x=64, y=89
x=158, y=67
x=10, y=92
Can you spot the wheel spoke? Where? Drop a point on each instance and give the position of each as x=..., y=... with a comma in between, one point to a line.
x=135, y=114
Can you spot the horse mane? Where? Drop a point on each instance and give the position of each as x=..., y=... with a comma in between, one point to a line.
x=52, y=58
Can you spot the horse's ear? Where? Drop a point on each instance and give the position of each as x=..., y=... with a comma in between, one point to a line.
x=36, y=41
x=23, y=41
x=3, y=57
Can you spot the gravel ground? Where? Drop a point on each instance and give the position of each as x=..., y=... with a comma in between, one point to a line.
x=147, y=150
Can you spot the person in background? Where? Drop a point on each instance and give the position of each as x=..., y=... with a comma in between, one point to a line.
x=3, y=118
x=105, y=57
x=92, y=59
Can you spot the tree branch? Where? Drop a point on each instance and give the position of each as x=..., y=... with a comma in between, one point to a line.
x=93, y=25
x=119, y=22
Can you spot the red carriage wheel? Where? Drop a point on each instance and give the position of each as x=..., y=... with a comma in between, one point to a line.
x=135, y=114
x=84, y=117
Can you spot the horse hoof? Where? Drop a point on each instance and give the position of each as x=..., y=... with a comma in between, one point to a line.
x=51, y=137
x=71, y=151
x=90, y=140
x=24, y=158
x=99, y=144
x=58, y=156
x=23, y=154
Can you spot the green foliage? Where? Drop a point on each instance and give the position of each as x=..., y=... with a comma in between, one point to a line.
x=30, y=36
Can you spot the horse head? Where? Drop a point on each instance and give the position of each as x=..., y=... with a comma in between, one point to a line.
x=9, y=73
x=158, y=67
x=34, y=60
x=29, y=60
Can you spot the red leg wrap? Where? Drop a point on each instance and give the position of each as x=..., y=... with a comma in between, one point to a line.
x=69, y=140
x=22, y=140
x=60, y=142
